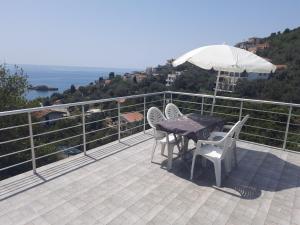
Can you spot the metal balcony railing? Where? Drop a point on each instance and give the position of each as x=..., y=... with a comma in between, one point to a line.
x=27, y=142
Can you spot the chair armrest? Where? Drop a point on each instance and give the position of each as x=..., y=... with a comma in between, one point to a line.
x=227, y=127
x=207, y=142
x=215, y=134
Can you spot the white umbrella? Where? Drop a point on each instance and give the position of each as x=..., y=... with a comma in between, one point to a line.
x=225, y=58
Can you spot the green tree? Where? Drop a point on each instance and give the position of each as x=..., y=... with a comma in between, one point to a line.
x=111, y=75
x=72, y=89
x=13, y=86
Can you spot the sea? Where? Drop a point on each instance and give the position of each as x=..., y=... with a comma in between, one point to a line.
x=62, y=77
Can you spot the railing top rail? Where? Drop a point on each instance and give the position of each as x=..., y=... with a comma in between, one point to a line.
x=236, y=99
x=19, y=111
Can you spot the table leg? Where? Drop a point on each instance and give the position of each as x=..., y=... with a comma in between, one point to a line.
x=185, y=144
x=170, y=157
x=177, y=143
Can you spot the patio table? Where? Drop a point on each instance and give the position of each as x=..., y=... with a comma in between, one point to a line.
x=190, y=126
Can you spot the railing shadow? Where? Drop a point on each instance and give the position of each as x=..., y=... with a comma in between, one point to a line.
x=24, y=182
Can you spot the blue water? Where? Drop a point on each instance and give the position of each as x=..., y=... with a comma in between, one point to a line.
x=62, y=77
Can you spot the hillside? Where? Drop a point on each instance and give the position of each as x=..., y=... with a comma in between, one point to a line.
x=283, y=85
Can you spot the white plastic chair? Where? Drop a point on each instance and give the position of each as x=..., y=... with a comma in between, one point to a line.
x=236, y=136
x=215, y=151
x=172, y=111
x=154, y=116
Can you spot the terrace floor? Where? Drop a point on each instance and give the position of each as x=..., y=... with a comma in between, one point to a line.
x=125, y=188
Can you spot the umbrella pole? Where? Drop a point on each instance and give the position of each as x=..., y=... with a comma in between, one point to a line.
x=215, y=94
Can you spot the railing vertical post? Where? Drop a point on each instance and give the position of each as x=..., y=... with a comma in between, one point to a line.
x=119, y=122
x=144, y=114
x=241, y=111
x=32, y=144
x=287, y=128
x=171, y=98
x=83, y=129
x=202, y=105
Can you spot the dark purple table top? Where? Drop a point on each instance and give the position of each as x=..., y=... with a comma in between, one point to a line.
x=193, y=126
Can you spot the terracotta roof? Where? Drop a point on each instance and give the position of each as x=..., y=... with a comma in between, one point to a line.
x=281, y=67
x=58, y=101
x=107, y=82
x=132, y=117
x=269, y=60
x=263, y=45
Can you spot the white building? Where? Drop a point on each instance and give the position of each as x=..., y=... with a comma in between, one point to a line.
x=172, y=77
x=228, y=81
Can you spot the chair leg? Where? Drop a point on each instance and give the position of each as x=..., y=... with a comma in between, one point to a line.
x=228, y=161
x=218, y=172
x=162, y=151
x=235, y=155
x=193, y=165
x=170, y=156
x=203, y=162
x=153, y=150
x=185, y=143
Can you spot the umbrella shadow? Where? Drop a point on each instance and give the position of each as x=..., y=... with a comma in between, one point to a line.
x=256, y=172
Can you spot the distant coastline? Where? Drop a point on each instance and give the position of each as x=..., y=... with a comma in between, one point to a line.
x=42, y=88
x=62, y=77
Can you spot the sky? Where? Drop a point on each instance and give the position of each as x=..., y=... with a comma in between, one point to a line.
x=131, y=33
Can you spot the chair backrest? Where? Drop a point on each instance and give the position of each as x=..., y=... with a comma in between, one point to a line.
x=172, y=111
x=154, y=116
x=242, y=123
x=226, y=142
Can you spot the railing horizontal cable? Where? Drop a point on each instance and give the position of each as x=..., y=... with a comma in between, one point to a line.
x=293, y=142
x=17, y=164
x=58, y=119
x=207, y=104
x=226, y=114
x=13, y=153
x=127, y=106
x=295, y=124
x=107, y=136
x=226, y=106
x=199, y=110
x=105, y=128
x=53, y=153
x=12, y=127
x=53, y=131
x=105, y=110
x=96, y=121
x=14, y=140
x=274, y=121
x=176, y=100
x=292, y=133
x=255, y=135
x=263, y=128
x=236, y=99
x=265, y=111
x=53, y=142
x=154, y=101
x=123, y=131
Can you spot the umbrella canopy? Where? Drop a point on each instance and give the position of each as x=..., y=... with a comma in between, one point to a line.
x=226, y=58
